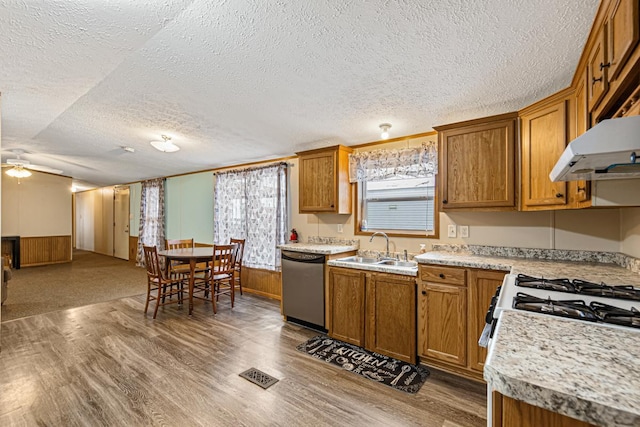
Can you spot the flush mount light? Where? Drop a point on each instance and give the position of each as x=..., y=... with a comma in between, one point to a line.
x=129, y=149
x=385, y=130
x=18, y=171
x=166, y=146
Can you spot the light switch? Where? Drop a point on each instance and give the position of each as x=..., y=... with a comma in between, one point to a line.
x=464, y=231
x=340, y=228
x=452, y=231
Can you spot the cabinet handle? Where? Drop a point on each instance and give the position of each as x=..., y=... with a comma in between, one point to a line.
x=582, y=189
x=594, y=80
x=603, y=66
x=444, y=202
x=441, y=276
x=424, y=292
x=559, y=195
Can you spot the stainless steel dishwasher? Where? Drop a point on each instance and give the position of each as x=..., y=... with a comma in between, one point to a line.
x=303, y=288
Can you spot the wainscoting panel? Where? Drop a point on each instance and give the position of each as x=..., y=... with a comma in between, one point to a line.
x=266, y=283
x=133, y=248
x=44, y=250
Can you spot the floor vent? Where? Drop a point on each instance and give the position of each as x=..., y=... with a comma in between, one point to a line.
x=258, y=377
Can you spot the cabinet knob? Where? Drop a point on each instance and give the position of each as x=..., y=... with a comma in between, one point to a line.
x=424, y=292
x=603, y=66
x=444, y=202
x=559, y=195
x=332, y=206
x=441, y=275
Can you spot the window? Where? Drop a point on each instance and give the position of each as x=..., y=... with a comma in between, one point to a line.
x=398, y=203
x=251, y=204
x=396, y=190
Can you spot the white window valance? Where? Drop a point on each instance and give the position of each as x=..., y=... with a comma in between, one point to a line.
x=376, y=165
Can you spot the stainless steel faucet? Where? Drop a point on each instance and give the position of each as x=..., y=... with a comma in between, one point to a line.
x=381, y=233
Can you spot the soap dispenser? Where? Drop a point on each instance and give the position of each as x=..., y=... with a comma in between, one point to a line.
x=423, y=248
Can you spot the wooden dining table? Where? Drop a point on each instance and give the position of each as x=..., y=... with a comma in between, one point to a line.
x=193, y=256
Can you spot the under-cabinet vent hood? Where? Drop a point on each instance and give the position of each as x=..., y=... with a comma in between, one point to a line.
x=606, y=151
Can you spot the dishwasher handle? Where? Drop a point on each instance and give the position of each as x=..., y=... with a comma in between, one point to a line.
x=303, y=257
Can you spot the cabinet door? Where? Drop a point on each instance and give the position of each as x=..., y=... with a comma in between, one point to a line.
x=443, y=323
x=346, y=305
x=544, y=137
x=598, y=83
x=623, y=34
x=317, y=190
x=482, y=285
x=581, y=190
x=478, y=166
x=391, y=324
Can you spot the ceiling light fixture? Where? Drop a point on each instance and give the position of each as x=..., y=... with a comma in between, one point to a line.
x=166, y=146
x=385, y=130
x=128, y=149
x=18, y=171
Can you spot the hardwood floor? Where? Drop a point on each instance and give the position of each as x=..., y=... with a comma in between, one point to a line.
x=107, y=364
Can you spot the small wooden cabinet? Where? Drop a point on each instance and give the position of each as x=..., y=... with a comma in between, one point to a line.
x=376, y=311
x=544, y=138
x=478, y=164
x=597, y=81
x=452, y=304
x=347, y=305
x=509, y=412
x=324, y=180
x=623, y=33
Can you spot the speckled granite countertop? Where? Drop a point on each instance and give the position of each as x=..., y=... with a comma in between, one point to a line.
x=585, y=371
x=318, y=248
x=594, y=271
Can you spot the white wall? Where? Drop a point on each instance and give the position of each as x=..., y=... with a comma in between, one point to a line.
x=189, y=207
x=630, y=231
x=39, y=205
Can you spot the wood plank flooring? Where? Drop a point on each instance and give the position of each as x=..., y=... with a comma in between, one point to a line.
x=108, y=364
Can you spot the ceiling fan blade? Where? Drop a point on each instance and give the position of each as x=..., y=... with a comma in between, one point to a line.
x=18, y=162
x=41, y=168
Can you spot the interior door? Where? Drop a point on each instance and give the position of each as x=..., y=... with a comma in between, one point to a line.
x=121, y=222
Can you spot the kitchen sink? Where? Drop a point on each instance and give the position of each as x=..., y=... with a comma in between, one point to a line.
x=389, y=262
x=359, y=260
x=398, y=263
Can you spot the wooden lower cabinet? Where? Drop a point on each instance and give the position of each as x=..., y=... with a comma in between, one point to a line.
x=482, y=287
x=391, y=316
x=452, y=304
x=376, y=311
x=443, y=320
x=347, y=305
x=508, y=412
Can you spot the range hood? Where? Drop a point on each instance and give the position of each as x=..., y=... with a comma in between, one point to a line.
x=606, y=151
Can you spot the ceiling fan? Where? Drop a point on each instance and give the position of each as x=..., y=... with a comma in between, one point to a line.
x=20, y=166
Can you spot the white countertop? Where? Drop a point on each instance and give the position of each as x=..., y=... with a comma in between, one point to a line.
x=318, y=248
x=586, y=371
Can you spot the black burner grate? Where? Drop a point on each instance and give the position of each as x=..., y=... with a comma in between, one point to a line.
x=258, y=377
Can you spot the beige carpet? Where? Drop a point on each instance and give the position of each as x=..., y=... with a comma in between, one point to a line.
x=88, y=279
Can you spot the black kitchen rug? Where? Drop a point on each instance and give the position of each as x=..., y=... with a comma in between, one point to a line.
x=376, y=367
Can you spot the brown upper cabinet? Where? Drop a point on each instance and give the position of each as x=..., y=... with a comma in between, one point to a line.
x=478, y=164
x=324, y=180
x=623, y=33
x=598, y=83
x=544, y=138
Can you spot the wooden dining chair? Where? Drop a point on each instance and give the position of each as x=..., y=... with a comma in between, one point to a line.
x=158, y=281
x=221, y=277
x=239, y=252
x=177, y=268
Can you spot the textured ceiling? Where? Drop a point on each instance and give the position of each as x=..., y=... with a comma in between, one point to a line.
x=243, y=80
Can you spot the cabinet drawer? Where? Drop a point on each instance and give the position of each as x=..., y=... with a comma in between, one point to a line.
x=440, y=274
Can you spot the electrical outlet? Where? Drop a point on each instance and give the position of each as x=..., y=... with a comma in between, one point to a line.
x=340, y=230
x=451, y=231
x=464, y=231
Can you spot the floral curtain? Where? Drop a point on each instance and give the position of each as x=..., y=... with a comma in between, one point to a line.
x=380, y=164
x=151, y=217
x=251, y=204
